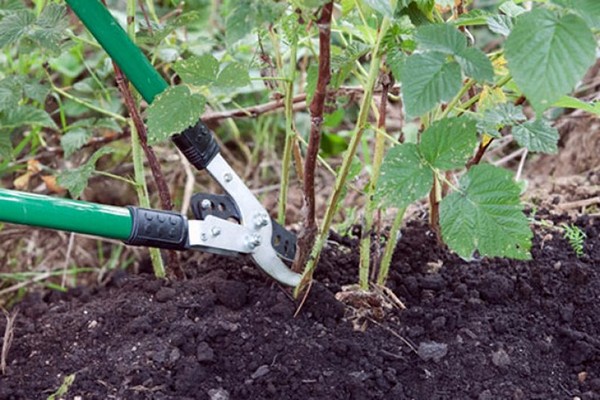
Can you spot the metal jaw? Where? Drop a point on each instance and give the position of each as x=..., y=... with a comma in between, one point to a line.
x=252, y=236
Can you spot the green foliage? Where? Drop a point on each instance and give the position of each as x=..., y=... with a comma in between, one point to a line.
x=204, y=71
x=576, y=238
x=75, y=180
x=485, y=215
x=64, y=388
x=408, y=169
x=46, y=31
x=547, y=62
x=173, y=111
x=428, y=79
x=435, y=76
x=537, y=136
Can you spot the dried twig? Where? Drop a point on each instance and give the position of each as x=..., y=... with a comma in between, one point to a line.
x=9, y=333
x=580, y=203
x=299, y=102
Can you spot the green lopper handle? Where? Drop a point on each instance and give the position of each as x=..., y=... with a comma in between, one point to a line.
x=134, y=64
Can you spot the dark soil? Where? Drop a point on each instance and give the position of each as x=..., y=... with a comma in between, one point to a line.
x=488, y=329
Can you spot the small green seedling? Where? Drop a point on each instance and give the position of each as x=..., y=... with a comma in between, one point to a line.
x=576, y=237
x=64, y=388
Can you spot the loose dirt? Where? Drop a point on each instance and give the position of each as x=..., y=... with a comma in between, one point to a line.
x=485, y=329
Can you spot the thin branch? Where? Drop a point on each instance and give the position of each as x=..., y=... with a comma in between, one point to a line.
x=309, y=231
x=275, y=105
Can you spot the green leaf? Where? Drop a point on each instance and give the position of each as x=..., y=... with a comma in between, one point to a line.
x=198, y=71
x=240, y=22
x=173, y=111
x=475, y=64
x=75, y=180
x=26, y=115
x=36, y=91
x=486, y=215
x=396, y=60
x=332, y=144
x=405, y=176
x=537, y=136
x=10, y=93
x=494, y=119
x=500, y=24
x=50, y=28
x=511, y=9
x=233, y=76
x=444, y=38
x=383, y=7
x=547, y=62
x=572, y=102
x=429, y=79
x=472, y=18
x=312, y=75
x=14, y=26
x=449, y=143
x=74, y=140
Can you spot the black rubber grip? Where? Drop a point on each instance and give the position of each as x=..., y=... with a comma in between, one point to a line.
x=197, y=144
x=154, y=228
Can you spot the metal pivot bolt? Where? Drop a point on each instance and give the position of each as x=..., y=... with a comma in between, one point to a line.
x=261, y=220
x=228, y=177
x=215, y=231
x=206, y=204
x=253, y=241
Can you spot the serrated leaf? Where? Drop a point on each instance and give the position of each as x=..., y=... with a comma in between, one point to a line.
x=14, y=26
x=444, y=38
x=240, y=22
x=26, y=115
x=10, y=93
x=396, y=60
x=198, y=71
x=547, y=62
x=475, y=64
x=405, y=176
x=486, y=215
x=496, y=118
x=36, y=91
x=160, y=32
x=384, y=7
x=173, y=111
x=75, y=180
x=511, y=9
x=74, y=140
x=537, y=136
x=429, y=79
x=49, y=28
x=449, y=143
x=233, y=76
x=500, y=24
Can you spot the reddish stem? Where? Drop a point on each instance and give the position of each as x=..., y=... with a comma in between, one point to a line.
x=307, y=236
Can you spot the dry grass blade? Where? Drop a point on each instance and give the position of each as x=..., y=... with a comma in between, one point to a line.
x=9, y=333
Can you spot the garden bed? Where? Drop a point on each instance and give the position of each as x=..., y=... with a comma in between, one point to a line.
x=488, y=329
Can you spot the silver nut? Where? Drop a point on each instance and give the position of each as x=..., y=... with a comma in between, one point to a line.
x=253, y=241
x=261, y=220
x=206, y=204
x=228, y=177
x=204, y=237
x=215, y=231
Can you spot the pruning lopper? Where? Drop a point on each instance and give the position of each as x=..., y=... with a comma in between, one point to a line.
x=231, y=224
